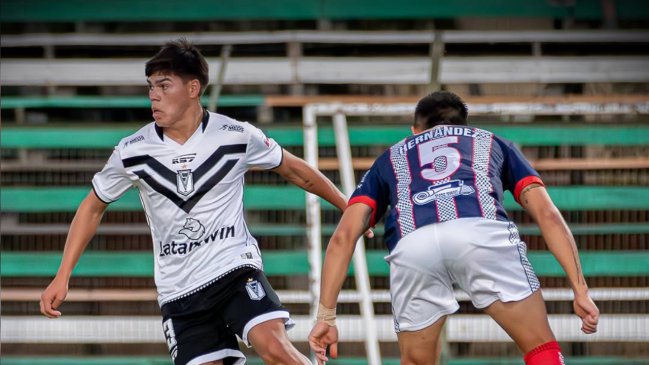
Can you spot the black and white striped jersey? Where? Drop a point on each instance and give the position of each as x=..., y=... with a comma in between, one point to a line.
x=192, y=195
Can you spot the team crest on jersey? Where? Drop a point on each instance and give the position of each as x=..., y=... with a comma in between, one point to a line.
x=447, y=190
x=255, y=290
x=184, y=182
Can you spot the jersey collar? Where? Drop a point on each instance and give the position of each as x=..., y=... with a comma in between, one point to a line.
x=206, y=118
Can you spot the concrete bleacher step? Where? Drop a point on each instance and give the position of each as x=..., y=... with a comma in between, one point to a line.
x=78, y=329
x=13, y=294
x=11, y=227
x=569, y=36
x=341, y=70
x=358, y=163
x=478, y=105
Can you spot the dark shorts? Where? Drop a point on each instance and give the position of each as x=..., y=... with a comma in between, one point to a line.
x=204, y=326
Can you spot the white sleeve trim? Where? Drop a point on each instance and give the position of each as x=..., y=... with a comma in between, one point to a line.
x=100, y=195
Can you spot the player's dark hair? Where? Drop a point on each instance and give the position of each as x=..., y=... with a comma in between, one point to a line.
x=181, y=58
x=440, y=107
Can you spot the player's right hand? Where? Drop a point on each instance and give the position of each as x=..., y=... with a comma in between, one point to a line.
x=322, y=336
x=53, y=296
x=587, y=310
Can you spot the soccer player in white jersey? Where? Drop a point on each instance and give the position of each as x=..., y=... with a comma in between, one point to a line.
x=189, y=167
x=446, y=225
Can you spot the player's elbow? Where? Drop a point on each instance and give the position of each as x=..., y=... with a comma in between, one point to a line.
x=297, y=172
x=341, y=241
x=541, y=207
x=548, y=215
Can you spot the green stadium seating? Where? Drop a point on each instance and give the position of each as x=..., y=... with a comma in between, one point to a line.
x=67, y=199
x=167, y=10
x=80, y=101
x=626, y=264
x=526, y=135
x=277, y=262
x=607, y=263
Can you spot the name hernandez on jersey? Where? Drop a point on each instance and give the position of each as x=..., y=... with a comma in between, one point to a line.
x=192, y=195
x=444, y=173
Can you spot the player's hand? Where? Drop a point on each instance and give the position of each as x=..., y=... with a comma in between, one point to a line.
x=587, y=310
x=53, y=296
x=322, y=336
x=369, y=233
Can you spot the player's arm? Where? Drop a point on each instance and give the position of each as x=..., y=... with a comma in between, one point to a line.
x=354, y=222
x=340, y=249
x=300, y=173
x=82, y=229
x=561, y=243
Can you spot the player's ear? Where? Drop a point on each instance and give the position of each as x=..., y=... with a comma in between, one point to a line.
x=195, y=88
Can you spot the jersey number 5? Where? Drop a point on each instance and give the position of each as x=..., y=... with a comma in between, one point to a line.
x=442, y=161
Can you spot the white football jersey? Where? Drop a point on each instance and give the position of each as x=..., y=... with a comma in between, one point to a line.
x=192, y=195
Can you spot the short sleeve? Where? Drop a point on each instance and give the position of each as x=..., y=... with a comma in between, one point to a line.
x=372, y=191
x=113, y=180
x=262, y=152
x=517, y=172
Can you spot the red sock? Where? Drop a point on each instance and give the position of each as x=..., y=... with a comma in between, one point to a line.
x=547, y=354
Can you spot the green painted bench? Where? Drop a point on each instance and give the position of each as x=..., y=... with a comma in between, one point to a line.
x=292, y=263
x=67, y=199
x=170, y=11
x=525, y=135
x=82, y=101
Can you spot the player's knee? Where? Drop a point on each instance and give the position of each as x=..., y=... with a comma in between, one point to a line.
x=419, y=357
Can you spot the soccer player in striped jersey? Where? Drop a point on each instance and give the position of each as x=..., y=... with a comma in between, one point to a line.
x=446, y=225
x=189, y=167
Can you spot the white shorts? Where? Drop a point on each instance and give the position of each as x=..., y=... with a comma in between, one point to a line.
x=484, y=257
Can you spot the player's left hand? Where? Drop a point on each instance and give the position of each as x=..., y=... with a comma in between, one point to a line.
x=587, y=310
x=53, y=297
x=369, y=233
x=322, y=336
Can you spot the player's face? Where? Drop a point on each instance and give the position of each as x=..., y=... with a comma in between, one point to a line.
x=170, y=98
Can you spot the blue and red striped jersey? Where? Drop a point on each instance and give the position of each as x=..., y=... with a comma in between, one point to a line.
x=444, y=173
